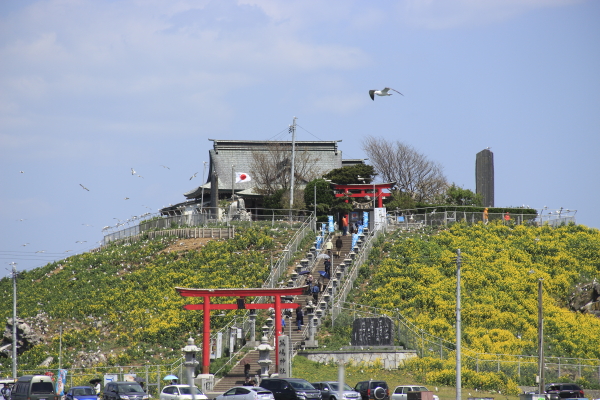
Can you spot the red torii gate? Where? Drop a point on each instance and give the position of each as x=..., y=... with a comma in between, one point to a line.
x=363, y=190
x=239, y=293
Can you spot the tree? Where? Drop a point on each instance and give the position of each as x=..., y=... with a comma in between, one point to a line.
x=271, y=168
x=350, y=174
x=456, y=195
x=413, y=173
x=324, y=194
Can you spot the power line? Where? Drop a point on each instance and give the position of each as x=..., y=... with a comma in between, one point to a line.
x=285, y=131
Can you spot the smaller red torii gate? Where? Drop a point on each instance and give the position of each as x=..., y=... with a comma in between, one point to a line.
x=363, y=190
x=239, y=293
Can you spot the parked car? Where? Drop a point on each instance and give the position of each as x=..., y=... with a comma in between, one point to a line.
x=401, y=392
x=124, y=391
x=246, y=393
x=373, y=390
x=330, y=390
x=33, y=387
x=291, y=389
x=181, y=392
x=81, y=393
x=563, y=391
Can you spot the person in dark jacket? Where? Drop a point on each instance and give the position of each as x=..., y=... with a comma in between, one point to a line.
x=315, y=292
x=299, y=317
x=338, y=246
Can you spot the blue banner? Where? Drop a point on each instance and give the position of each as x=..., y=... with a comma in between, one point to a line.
x=331, y=225
x=61, y=380
x=319, y=241
x=365, y=218
x=323, y=228
x=354, y=239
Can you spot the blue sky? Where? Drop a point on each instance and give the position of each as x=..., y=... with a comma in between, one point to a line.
x=90, y=89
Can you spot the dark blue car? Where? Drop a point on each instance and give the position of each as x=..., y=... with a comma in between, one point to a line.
x=81, y=393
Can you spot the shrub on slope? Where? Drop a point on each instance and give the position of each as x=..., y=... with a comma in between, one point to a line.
x=501, y=266
x=122, y=298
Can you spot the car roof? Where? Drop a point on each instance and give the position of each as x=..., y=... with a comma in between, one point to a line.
x=255, y=388
x=180, y=384
x=81, y=387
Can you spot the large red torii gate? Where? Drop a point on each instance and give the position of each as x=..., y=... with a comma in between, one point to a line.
x=239, y=293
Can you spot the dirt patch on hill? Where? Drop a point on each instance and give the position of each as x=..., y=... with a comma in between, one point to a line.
x=187, y=244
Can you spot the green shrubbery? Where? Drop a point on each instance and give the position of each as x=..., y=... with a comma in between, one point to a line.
x=123, y=297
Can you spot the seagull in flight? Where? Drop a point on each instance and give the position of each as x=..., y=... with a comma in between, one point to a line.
x=193, y=176
x=164, y=166
x=133, y=171
x=84, y=187
x=384, y=92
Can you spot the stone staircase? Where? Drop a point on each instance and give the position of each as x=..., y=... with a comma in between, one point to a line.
x=236, y=377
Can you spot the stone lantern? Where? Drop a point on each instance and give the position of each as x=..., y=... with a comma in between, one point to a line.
x=190, y=363
x=310, y=311
x=252, y=318
x=264, y=350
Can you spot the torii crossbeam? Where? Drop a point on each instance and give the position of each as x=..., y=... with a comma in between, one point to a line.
x=239, y=293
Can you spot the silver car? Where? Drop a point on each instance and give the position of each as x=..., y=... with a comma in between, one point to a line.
x=181, y=392
x=330, y=391
x=401, y=392
x=246, y=393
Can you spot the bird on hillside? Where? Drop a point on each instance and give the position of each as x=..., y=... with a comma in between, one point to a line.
x=84, y=187
x=384, y=92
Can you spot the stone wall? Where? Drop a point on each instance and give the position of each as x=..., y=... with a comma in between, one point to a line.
x=389, y=359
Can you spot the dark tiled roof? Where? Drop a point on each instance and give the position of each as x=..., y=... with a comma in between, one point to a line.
x=238, y=153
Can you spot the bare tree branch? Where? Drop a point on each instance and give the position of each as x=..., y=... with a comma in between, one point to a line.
x=271, y=168
x=413, y=173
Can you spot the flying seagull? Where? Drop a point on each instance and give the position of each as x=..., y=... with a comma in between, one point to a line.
x=193, y=176
x=133, y=171
x=384, y=92
x=164, y=166
x=84, y=187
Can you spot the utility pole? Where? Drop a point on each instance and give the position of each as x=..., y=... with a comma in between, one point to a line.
x=203, y=182
x=232, y=183
x=14, y=330
x=315, y=205
x=60, y=348
x=458, y=329
x=540, y=338
x=293, y=131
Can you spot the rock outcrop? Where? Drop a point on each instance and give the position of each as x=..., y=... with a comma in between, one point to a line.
x=27, y=337
x=586, y=298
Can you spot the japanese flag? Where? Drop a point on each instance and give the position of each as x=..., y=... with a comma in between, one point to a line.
x=242, y=177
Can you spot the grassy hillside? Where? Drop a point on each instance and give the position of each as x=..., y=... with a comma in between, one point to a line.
x=122, y=301
x=501, y=265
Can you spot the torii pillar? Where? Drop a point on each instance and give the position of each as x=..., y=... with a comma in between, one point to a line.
x=241, y=294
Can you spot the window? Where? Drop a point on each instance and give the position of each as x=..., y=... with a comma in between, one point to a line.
x=42, y=387
x=230, y=392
